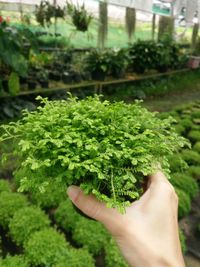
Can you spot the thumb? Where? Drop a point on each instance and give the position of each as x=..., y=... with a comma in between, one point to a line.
x=95, y=209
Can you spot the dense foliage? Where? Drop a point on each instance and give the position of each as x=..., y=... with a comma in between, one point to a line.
x=66, y=216
x=77, y=258
x=186, y=183
x=46, y=248
x=4, y=186
x=25, y=222
x=91, y=235
x=14, y=261
x=113, y=255
x=161, y=56
x=105, y=148
x=9, y=204
x=184, y=205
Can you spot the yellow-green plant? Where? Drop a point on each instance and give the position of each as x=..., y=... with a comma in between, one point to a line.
x=106, y=148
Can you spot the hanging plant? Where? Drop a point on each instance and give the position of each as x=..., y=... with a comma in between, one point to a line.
x=153, y=26
x=103, y=24
x=165, y=28
x=46, y=11
x=80, y=17
x=130, y=22
x=195, y=32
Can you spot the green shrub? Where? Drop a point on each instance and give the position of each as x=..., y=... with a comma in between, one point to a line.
x=66, y=216
x=176, y=163
x=191, y=157
x=77, y=258
x=14, y=261
x=25, y=222
x=113, y=256
x=186, y=183
x=184, y=204
x=106, y=148
x=179, y=129
x=4, y=186
x=45, y=248
x=194, y=135
x=186, y=123
x=9, y=204
x=195, y=126
x=91, y=235
x=194, y=171
x=196, y=114
x=144, y=55
x=196, y=147
x=182, y=240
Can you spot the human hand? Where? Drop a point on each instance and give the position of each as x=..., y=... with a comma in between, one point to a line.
x=147, y=234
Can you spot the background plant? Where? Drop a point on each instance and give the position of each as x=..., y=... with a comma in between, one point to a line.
x=80, y=17
x=91, y=235
x=45, y=12
x=25, y=222
x=9, y=204
x=45, y=248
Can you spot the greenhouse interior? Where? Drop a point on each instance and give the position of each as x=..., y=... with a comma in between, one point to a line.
x=91, y=93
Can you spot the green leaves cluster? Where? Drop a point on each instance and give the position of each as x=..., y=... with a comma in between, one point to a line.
x=106, y=148
x=14, y=261
x=91, y=235
x=27, y=221
x=11, y=49
x=9, y=204
x=46, y=248
x=80, y=17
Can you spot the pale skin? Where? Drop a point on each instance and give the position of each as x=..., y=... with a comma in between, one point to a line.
x=147, y=234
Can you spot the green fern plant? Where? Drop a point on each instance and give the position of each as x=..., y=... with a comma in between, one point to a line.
x=105, y=148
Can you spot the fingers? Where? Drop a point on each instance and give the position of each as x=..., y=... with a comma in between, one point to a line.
x=95, y=209
x=160, y=193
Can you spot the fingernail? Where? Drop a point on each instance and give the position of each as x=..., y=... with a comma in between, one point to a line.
x=73, y=192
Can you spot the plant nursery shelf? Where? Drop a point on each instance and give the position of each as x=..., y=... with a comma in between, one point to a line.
x=98, y=85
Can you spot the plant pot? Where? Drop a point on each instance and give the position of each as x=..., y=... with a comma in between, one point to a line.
x=67, y=77
x=76, y=77
x=98, y=75
x=5, y=85
x=163, y=68
x=139, y=69
x=118, y=74
x=31, y=85
x=44, y=84
x=193, y=62
x=55, y=76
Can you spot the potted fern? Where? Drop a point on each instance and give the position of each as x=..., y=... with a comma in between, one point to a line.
x=106, y=148
x=80, y=17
